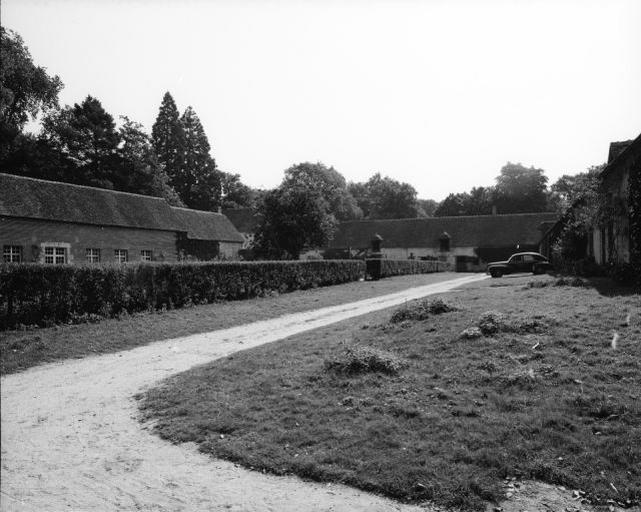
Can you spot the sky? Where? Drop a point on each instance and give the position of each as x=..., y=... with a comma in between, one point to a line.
x=439, y=94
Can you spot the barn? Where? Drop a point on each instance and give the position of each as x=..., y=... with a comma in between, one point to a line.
x=466, y=242
x=52, y=222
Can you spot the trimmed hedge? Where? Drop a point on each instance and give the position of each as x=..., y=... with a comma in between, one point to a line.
x=377, y=268
x=33, y=294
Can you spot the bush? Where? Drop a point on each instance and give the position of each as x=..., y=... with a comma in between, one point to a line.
x=378, y=268
x=357, y=359
x=44, y=294
x=576, y=282
x=420, y=310
x=491, y=322
x=626, y=274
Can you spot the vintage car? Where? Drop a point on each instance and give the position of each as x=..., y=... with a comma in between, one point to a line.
x=520, y=262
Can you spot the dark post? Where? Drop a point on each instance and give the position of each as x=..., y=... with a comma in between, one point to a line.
x=374, y=261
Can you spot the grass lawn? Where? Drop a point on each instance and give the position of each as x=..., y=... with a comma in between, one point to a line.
x=410, y=409
x=22, y=349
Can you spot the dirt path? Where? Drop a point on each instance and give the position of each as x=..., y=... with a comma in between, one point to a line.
x=71, y=439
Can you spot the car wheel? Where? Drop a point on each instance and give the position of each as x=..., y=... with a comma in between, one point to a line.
x=496, y=272
x=536, y=269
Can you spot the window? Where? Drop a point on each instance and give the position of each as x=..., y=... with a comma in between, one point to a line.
x=121, y=255
x=92, y=255
x=146, y=255
x=12, y=253
x=444, y=242
x=55, y=255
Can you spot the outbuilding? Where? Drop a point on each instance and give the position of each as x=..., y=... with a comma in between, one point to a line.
x=53, y=222
x=467, y=242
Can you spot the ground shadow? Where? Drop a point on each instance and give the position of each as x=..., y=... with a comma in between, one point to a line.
x=609, y=288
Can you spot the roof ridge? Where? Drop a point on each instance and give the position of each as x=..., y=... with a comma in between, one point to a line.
x=65, y=183
x=620, y=156
x=455, y=217
x=196, y=210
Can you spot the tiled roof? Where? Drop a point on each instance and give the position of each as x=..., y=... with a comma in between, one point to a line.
x=65, y=202
x=623, y=154
x=244, y=219
x=52, y=200
x=202, y=225
x=465, y=231
x=616, y=148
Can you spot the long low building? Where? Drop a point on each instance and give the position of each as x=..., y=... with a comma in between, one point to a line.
x=52, y=222
x=466, y=242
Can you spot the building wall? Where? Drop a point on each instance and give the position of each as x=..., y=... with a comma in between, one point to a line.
x=611, y=242
x=402, y=253
x=249, y=240
x=230, y=250
x=207, y=250
x=33, y=234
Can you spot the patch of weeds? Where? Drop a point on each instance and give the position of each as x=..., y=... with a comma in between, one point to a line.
x=539, y=284
x=356, y=359
x=471, y=333
x=488, y=366
x=598, y=406
x=529, y=325
x=491, y=322
x=523, y=379
x=575, y=282
x=404, y=410
x=421, y=310
x=25, y=343
x=85, y=318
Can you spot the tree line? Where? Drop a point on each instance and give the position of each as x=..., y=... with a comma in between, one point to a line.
x=82, y=144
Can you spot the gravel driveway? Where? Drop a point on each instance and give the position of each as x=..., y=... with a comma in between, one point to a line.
x=71, y=439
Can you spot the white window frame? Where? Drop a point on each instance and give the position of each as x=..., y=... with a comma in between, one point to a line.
x=55, y=255
x=92, y=255
x=146, y=255
x=12, y=253
x=64, y=247
x=118, y=255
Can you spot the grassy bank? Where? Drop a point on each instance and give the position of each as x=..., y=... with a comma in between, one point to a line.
x=21, y=349
x=406, y=406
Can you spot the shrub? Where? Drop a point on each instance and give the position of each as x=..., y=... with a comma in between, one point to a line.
x=491, y=322
x=570, y=281
x=357, y=359
x=44, y=294
x=626, y=274
x=378, y=268
x=420, y=310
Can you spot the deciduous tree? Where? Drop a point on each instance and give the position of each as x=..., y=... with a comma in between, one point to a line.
x=329, y=183
x=25, y=89
x=385, y=198
x=86, y=138
x=520, y=189
x=293, y=218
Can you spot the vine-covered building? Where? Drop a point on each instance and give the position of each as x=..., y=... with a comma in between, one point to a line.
x=610, y=240
x=52, y=222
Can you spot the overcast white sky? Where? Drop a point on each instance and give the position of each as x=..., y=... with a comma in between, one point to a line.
x=440, y=94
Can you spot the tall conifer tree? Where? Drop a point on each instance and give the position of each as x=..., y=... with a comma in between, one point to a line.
x=200, y=185
x=168, y=140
